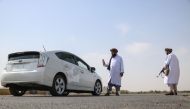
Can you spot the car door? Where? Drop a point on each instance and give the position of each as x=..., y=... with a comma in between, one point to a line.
x=70, y=68
x=85, y=75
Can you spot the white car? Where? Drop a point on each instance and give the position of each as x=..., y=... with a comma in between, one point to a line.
x=58, y=72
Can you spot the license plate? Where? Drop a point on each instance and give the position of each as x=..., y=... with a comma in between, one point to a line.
x=18, y=67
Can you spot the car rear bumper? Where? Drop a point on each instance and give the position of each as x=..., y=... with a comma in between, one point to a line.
x=35, y=76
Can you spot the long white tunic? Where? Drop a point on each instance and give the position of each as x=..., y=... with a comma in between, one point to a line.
x=174, y=71
x=116, y=67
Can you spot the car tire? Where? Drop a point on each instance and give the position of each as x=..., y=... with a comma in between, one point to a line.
x=97, y=89
x=17, y=90
x=58, y=86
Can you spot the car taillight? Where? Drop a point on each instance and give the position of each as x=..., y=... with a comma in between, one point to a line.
x=43, y=60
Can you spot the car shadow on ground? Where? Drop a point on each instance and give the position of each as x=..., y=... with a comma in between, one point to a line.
x=102, y=95
x=69, y=96
x=59, y=96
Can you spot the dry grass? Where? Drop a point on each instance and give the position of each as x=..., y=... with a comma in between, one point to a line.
x=4, y=92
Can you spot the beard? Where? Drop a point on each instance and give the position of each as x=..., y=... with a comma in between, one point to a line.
x=113, y=55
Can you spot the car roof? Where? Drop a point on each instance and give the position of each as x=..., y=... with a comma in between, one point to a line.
x=58, y=51
x=54, y=51
x=41, y=52
x=51, y=51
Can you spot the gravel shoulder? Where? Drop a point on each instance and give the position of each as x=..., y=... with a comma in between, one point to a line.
x=128, y=101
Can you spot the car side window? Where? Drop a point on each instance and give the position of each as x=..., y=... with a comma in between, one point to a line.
x=66, y=57
x=82, y=64
x=59, y=55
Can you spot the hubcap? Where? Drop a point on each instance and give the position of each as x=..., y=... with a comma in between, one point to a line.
x=60, y=85
x=98, y=88
x=19, y=91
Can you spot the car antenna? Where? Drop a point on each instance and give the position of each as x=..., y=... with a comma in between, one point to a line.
x=44, y=48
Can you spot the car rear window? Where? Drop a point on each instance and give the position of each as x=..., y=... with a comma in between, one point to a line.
x=24, y=55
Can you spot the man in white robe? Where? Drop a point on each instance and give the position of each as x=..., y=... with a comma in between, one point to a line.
x=174, y=71
x=116, y=70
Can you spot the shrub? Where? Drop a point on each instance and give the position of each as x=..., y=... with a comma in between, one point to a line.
x=151, y=91
x=124, y=92
x=157, y=91
x=112, y=92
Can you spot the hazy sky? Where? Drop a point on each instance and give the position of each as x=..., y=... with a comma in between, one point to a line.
x=140, y=29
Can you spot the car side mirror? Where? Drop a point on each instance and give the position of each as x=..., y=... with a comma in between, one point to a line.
x=93, y=69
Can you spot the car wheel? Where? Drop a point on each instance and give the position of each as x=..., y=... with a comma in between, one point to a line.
x=58, y=86
x=97, y=89
x=17, y=90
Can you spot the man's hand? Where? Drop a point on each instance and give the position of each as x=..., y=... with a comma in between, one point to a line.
x=162, y=70
x=121, y=74
x=103, y=62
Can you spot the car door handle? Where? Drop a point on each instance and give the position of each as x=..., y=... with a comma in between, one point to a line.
x=82, y=71
x=66, y=65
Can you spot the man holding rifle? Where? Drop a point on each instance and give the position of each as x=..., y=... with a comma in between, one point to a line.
x=172, y=71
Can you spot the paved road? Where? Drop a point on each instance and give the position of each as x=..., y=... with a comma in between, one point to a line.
x=129, y=101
